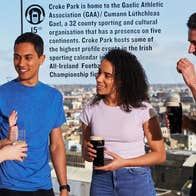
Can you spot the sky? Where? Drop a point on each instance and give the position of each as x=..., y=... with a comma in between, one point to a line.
x=160, y=63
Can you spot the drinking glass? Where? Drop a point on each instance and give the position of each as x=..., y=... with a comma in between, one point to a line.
x=21, y=136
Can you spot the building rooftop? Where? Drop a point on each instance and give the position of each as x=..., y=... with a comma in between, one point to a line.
x=190, y=161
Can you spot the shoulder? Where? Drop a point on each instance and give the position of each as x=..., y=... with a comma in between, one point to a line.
x=147, y=104
x=7, y=84
x=7, y=87
x=90, y=109
x=145, y=112
x=52, y=90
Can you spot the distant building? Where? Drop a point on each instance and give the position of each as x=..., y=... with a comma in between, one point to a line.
x=76, y=105
x=192, y=142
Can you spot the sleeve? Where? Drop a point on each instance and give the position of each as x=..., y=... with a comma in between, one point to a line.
x=59, y=117
x=1, y=119
x=148, y=113
x=85, y=115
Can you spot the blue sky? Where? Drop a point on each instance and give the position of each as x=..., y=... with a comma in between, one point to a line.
x=159, y=64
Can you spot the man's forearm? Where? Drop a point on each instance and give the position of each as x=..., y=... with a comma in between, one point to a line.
x=58, y=156
x=193, y=90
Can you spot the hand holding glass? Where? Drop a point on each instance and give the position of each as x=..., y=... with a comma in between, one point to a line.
x=21, y=137
x=98, y=145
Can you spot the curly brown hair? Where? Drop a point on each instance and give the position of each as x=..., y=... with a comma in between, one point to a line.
x=129, y=77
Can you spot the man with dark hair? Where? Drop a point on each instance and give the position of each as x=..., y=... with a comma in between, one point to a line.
x=185, y=67
x=40, y=112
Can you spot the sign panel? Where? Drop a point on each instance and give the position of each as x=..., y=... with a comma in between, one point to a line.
x=78, y=33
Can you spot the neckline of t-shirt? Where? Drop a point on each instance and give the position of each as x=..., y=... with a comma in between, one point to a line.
x=116, y=107
x=25, y=86
x=109, y=106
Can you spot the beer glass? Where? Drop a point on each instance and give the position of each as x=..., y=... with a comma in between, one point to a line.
x=98, y=145
x=174, y=112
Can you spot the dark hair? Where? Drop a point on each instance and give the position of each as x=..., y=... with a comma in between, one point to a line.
x=192, y=21
x=33, y=38
x=130, y=79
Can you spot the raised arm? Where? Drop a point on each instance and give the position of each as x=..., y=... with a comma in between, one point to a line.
x=186, y=68
x=13, y=130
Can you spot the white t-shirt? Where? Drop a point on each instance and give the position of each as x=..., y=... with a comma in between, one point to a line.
x=122, y=131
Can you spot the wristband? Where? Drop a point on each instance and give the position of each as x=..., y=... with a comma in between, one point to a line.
x=67, y=187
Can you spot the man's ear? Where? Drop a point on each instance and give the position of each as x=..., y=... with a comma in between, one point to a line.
x=42, y=58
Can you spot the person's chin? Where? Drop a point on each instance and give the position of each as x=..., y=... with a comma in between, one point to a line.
x=22, y=78
x=99, y=92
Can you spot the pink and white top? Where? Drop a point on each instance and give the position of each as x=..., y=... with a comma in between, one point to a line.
x=122, y=131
